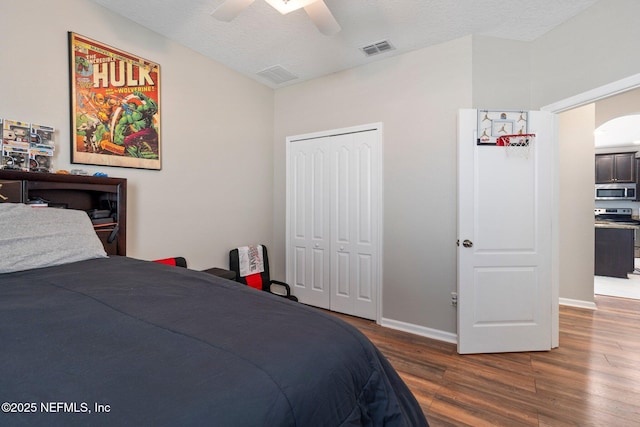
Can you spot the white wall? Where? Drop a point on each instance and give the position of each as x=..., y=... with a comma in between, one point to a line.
x=616, y=106
x=577, y=177
x=416, y=96
x=214, y=191
x=501, y=74
x=597, y=47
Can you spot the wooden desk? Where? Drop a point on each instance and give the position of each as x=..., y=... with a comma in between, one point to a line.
x=221, y=272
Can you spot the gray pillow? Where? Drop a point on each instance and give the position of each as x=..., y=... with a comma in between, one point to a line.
x=36, y=237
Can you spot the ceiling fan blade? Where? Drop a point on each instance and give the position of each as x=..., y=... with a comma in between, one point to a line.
x=322, y=17
x=230, y=9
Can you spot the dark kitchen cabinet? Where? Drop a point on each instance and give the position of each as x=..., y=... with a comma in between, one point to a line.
x=614, y=252
x=87, y=193
x=615, y=167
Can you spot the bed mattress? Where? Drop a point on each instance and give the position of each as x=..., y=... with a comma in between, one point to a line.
x=120, y=341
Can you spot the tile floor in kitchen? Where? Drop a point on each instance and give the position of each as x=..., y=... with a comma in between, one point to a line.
x=625, y=288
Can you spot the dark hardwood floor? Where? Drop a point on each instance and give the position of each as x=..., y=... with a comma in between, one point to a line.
x=591, y=379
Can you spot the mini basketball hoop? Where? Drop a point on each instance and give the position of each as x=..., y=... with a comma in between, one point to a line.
x=517, y=145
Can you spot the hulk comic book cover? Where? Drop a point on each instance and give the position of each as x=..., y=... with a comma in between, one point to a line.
x=115, y=106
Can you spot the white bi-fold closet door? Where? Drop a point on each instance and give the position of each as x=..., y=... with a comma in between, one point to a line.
x=334, y=219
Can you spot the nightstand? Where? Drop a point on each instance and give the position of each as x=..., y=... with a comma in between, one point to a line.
x=221, y=272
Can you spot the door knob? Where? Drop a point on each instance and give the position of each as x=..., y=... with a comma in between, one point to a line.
x=467, y=243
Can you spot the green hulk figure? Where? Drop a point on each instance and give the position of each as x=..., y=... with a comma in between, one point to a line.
x=135, y=117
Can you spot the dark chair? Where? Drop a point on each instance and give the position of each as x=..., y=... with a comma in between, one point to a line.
x=261, y=281
x=175, y=261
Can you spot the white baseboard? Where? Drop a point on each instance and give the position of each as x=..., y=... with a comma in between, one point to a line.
x=578, y=303
x=420, y=330
x=449, y=337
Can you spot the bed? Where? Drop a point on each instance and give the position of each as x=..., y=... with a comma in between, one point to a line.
x=94, y=340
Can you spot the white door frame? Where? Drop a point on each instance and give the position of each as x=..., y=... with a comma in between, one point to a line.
x=593, y=95
x=377, y=127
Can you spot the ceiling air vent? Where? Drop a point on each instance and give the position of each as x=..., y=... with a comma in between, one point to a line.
x=277, y=74
x=378, y=47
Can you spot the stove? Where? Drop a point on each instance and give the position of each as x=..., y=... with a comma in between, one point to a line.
x=617, y=215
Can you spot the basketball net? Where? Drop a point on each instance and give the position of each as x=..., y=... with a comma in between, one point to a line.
x=517, y=145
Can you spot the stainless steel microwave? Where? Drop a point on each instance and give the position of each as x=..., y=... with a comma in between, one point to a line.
x=615, y=191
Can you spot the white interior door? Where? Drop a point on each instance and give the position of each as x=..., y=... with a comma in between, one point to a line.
x=334, y=217
x=505, y=245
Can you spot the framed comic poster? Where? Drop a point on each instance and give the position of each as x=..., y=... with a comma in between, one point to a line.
x=115, y=106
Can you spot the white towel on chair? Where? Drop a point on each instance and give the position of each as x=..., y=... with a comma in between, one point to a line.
x=251, y=260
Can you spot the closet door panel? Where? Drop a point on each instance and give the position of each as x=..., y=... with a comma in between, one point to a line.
x=364, y=280
x=309, y=230
x=342, y=190
x=318, y=188
x=320, y=279
x=365, y=225
x=300, y=271
x=342, y=276
x=364, y=214
x=299, y=190
x=342, y=186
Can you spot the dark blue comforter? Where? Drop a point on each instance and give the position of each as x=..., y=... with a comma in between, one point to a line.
x=120, y=341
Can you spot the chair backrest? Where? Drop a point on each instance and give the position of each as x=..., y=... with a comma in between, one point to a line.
x=258, y=280
x=175, y=261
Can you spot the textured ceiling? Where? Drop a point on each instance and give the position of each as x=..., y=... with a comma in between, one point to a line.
x=260, y=37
